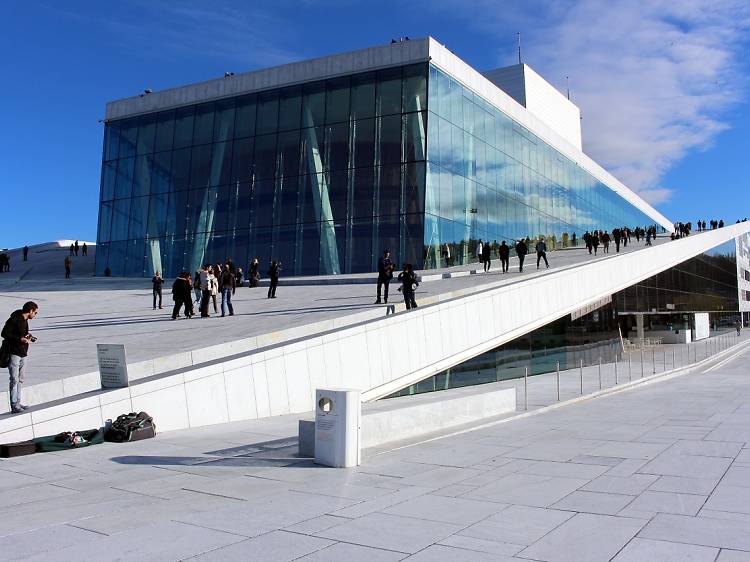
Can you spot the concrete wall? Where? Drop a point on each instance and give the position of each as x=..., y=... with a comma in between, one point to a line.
x=542, y=99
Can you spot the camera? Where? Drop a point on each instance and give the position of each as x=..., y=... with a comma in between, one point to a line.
x=31, y=338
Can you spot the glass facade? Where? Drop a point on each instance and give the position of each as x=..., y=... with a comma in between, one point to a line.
x=491, y=179
x=705, y=283
x=321, y=175
x=325, y=175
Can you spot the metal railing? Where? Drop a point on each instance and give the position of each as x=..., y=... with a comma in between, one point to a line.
x=635, y=363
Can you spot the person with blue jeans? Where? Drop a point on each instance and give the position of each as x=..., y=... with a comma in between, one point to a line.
x=227, y=282
x=17, y=338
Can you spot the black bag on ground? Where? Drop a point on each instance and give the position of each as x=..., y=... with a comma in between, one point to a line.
x=9, y=450
x=131, y=427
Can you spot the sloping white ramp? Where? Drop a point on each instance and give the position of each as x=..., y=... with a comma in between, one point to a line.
x=378, y=356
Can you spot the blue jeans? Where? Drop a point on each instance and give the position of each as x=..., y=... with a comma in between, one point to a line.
x=226, y=297
x=16, y=378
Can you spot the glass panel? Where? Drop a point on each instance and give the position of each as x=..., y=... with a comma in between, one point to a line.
x=157, y=216
x=415, y=88
x=124, y=185
x=414, y=136
x=138, y=217
x=244, y=124
x=389, y=91
x=183, y=129
x=105, y=223
x=242, y=160
x=290, y=107
x=268, y=112
x=289, y=153
x=200, y=166
x=336, y=151
x=164, y=131
x=265, y=156
x=109, y=179
x=314, y=105
x=414, y=186
x=389, y=190
x=363, y=141
x=146, y=132
x=224, y=120
x=389, y=139
x=128, y=137
x=161, y=171
x=120, y=218
x=142, y=175
x=363, y=193
x=204, y=124
x=111, y=140
x=337, y=100
x=221, y=163
x=363, y=96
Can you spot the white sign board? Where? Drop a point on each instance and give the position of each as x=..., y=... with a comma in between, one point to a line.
x=113, y=367
x=701, y=326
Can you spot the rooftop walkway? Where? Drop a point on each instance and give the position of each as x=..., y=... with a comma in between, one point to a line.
x=77, y=314
x=657, y=471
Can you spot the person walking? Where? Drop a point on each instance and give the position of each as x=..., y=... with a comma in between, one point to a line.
x=408, y=285
x=181, y=295
x=213, y=282
x=197, y=287
x=205, y=285
x=738, y=325
x=595, y=241
x=587, y=240
x=85, y=249
x=239, y=278
x=157, y=281
x=385, y=274
x=446, y=255
x=75, y=247
x=541, y=252
x=227, y=283
x=605, y=241
x=273, y=274
x=25, y=253
x=486, y=256
x=67, y=267
x=521, y=250
x=254, y=273
x=617, y=235
x=16, y=340
x=480, y=251
x=504, y=253
x=72, y=250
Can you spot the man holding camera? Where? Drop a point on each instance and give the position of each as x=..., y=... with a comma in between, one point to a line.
x=17, y=338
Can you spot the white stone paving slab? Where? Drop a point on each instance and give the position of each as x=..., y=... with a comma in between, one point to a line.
x=593, y=502
x=644, y=550
x=445, y=509
x=517, y=525
x=585, y=537
x=277, y=546
x=704, y=531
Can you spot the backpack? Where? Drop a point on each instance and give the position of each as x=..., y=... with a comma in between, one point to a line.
x=131, y=427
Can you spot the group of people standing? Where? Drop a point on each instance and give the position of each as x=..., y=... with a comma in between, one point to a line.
x=407, y=278
x=210, y=282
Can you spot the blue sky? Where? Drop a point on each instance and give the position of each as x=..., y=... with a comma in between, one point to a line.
x=663, y=86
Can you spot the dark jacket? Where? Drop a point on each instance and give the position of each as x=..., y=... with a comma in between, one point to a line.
x=385, y=268
x=521, y=248
x=16, y=327
x=486, y=252
x=504, y=251
x=274, y=271
x=408, y=279
x=181, y=290
x=227, y=280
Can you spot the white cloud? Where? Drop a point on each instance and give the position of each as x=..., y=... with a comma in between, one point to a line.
x=653, y=78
